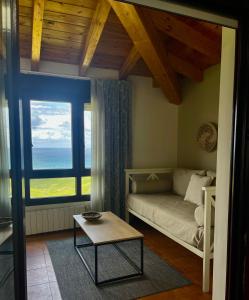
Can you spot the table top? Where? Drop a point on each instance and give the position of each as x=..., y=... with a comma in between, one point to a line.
x=109, y=228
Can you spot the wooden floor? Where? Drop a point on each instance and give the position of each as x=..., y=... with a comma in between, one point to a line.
x=42, y=282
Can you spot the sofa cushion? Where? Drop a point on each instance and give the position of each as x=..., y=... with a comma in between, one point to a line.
x=181, y=178
x=148, y=185
x=194, y=191
x=169, y=212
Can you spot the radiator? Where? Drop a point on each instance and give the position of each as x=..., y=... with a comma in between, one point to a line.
x=48, y=218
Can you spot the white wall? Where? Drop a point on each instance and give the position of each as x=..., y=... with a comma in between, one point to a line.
x=154, y=126
x=200, y=105
x=223, y=162
x=61, y=69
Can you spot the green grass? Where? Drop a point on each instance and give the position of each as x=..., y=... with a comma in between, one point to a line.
x=57, y=187
x=86, y=185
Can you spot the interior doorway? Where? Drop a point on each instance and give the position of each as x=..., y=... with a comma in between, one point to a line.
x=225, y=180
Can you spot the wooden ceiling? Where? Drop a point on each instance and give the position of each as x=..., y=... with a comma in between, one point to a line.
x=115, y=35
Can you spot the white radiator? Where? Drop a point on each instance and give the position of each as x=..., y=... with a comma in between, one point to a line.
x=47, y=218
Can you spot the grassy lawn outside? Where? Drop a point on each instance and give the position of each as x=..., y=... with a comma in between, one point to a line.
x=56, y=187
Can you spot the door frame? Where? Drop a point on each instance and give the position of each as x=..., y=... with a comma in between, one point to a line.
x=18, y=214
x=239, y=210
x=238, y=226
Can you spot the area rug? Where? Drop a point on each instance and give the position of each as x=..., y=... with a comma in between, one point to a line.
x=76, y=284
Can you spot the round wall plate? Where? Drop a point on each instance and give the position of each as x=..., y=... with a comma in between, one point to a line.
x=207, y=136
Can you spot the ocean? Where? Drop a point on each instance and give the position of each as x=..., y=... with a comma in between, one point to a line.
x=56, y=158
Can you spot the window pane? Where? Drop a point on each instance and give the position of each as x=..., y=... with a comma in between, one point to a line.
x=88, y=134
x=52, y=187
x=51, y=135
x=86, y=185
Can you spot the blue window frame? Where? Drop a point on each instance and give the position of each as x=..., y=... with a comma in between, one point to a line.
x=56, y=168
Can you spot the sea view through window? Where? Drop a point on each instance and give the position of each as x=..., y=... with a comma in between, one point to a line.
x=52, y=137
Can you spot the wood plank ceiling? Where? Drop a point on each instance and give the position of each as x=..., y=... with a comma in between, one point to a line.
x=114, y=35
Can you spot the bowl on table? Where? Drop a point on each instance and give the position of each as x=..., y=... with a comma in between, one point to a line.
x=91, y=215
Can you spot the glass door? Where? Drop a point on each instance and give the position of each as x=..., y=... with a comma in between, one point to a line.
x=6, y=225
x=12, y=253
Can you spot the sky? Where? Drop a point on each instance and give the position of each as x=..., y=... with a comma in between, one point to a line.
x=51, y=125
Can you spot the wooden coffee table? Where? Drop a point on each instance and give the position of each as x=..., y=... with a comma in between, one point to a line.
x=109, y=229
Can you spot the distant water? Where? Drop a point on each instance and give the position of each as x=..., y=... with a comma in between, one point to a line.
x=56, y=158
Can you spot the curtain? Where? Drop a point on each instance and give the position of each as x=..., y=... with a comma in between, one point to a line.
x=98, y=146
x=111, y=100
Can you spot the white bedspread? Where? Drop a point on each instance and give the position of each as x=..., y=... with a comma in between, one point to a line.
x=170, y=212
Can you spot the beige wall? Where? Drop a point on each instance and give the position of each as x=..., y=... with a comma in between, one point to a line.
x=200, y=105
x=60, y=69
x=154, y=126
x=223, y=162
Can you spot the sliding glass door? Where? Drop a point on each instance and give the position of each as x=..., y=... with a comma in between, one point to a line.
x=6, y=229
x=12, y=253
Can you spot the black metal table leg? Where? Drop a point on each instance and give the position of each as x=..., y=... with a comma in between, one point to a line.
x=74, y=232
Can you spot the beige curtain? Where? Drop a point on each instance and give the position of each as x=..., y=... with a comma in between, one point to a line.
x=98, y=146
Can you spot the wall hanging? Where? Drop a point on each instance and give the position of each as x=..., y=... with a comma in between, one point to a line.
x=207, y=136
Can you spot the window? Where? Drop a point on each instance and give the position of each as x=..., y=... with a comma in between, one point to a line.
x=56, y=168
x=86, y=180
x=57, y=139
x=86, y=185
x=88, y=135
x=52, y=187
x=51, y=132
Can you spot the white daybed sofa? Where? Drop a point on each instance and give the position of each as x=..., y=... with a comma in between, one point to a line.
x=188, y=224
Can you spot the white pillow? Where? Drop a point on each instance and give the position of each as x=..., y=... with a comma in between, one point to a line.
x=181, y=178
x=194, y=192
x=213, y=175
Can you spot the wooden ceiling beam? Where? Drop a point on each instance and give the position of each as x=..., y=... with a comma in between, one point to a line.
x=147, y=41
x=181, y=31
x=185, y=68
x=129, y=63
x=155, y=84
x=38, y=12
x=180, y=65
x=96, y=28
